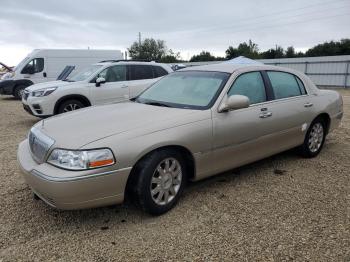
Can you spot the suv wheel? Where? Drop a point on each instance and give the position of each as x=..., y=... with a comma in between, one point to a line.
x=70, y=105
x=161, y=179
x=19, y=91
x=314, y=139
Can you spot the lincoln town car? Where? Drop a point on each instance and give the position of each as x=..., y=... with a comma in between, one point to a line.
x=191, y=124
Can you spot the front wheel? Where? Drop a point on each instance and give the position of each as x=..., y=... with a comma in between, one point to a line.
x=314, y=139
x=161, y=179
x=70, y=105
x=19, y=91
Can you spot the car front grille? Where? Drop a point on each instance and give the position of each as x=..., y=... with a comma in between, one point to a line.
x=39, y=144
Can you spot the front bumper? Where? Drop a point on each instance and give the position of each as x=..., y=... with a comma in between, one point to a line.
x=335, y=121
x=64, y=189
x=36, y=107
x=6, y=87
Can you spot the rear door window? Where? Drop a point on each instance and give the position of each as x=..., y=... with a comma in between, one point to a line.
x=251, y=85
x=284, y=84
x=159, y=71
x=301, y=86
x=139, y=72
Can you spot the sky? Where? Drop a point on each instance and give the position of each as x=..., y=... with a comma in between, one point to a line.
x=186, y=26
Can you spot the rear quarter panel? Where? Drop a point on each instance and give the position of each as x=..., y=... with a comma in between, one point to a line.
x=330, y=102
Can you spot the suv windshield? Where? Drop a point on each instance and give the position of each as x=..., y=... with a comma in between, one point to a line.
x=84, y=74
x=188, y=89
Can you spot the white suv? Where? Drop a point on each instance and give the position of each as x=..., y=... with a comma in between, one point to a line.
x=101, y=83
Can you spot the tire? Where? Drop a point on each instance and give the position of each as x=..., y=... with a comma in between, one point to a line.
x=158, y=191
x=70, y=105
x=18, y=91
x=314, y=139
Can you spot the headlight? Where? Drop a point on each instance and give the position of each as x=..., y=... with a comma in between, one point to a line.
x=44, y=92
x=81, y=160
x=8, y=75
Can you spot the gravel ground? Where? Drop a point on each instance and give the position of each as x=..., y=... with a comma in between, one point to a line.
x=279, y=209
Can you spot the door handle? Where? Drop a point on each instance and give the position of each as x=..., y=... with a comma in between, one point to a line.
x=265, y=115
x=308, y=104
x=124, y=86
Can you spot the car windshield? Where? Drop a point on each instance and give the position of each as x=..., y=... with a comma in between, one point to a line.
x=187, y=89
x=84, y=74
x=20, y=65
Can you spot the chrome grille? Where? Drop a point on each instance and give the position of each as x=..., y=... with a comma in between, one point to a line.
x=39, y=144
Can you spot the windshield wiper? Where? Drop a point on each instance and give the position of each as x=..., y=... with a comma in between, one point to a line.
x=156, y=104
x=68, y=80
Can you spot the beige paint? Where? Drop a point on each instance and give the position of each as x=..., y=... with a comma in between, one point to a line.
x=218, y=141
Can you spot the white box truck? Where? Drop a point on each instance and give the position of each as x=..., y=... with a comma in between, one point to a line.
x=43, y=65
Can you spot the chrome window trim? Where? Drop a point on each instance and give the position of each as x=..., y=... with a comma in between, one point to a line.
x=269, y=102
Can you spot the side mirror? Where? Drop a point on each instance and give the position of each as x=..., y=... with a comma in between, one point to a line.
x=234, y=102
x=100, y=81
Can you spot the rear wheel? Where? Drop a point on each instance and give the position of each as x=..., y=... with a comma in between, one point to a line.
x=70, y=105
x=18, y=92
x=314, y=139
x=161, y=179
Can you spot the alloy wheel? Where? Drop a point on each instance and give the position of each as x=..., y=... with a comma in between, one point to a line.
x=316, y=137
x=166, y=181
x=71, y=107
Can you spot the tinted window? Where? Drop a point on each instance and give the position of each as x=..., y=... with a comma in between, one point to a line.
x=250, y=85
x=159, y=71
x=284, y=84
x=114, y=73
x=139, y=72
x=35, y=65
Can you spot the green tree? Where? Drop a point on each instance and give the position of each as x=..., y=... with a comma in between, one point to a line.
x=171, y=57
x=290, y=52
x=278, y=52
x=148, y=49
x=249, y=50
x=204, y=56
x=231, y=52
x=341, y=47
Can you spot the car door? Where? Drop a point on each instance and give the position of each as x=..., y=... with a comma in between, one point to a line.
x=141, y=77
x=242, y=136
x=291, y=109
x=114, y=89
x=34, y=70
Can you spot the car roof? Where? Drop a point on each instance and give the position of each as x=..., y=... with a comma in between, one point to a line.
x=230, y=68
x=128, y=63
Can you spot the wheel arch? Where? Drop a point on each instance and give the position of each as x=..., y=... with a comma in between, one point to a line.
x=21, y=82
x=81, y=98
x=326, y=118
x=189, y=158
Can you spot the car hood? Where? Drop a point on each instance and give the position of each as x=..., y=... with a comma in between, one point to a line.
x=47, y=85
x=76, y=129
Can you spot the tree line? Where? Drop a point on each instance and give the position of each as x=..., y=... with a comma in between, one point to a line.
x=156, y=50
